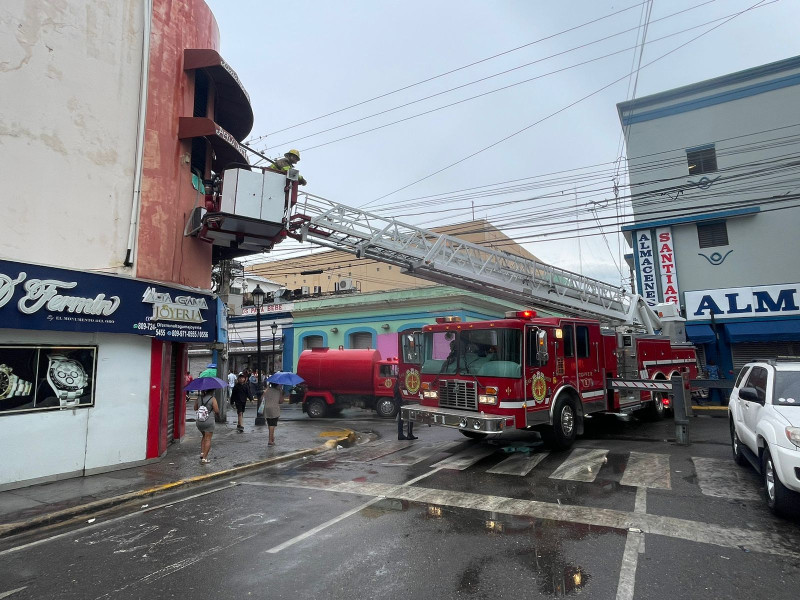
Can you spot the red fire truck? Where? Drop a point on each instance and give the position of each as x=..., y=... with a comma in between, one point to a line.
x=520, y=372
x=529, y=373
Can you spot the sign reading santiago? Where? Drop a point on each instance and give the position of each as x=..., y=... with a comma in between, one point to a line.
x=48, y=298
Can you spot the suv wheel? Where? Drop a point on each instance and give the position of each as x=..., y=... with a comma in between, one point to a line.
x=736, y=446
x=779, y=498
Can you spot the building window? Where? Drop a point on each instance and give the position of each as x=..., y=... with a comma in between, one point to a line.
x=710, y=235
x=702, y=160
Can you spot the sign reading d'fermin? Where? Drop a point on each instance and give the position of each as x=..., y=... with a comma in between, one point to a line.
x=647, y=270
x=45, y=298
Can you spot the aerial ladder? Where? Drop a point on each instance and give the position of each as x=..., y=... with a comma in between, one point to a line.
x=449, y=260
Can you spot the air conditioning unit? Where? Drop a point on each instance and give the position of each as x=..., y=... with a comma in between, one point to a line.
x=317, y=290
x=345, y=284
x=305, y=291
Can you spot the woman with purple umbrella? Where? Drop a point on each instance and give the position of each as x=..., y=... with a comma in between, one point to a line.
x=204, y=406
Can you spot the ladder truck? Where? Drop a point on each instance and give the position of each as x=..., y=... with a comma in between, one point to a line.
x=522, y=372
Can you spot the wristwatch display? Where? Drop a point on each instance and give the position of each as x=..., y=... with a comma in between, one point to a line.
x=67, y=377
x=11, y=385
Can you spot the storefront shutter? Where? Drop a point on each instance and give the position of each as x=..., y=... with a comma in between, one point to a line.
x=173, y=372
x=745, y=353
x=362, y=339
x=312, y=341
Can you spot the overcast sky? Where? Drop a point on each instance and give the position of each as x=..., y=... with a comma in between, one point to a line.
x=301, y=60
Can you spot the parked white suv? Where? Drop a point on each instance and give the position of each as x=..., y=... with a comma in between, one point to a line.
x=764, y=413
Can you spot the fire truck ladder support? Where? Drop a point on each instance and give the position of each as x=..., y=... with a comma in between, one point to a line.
x=452, y=261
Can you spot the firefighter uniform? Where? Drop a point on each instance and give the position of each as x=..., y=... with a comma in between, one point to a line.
x=287, y=161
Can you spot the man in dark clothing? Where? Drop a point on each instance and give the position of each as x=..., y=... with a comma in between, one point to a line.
x=239, y=396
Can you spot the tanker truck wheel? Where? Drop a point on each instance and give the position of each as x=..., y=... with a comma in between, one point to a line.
x=386, y=408
x=316, y=408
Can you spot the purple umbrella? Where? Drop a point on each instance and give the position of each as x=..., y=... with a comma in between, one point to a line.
x=205, y=383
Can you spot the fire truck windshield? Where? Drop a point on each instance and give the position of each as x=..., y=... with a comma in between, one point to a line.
x=490, y=352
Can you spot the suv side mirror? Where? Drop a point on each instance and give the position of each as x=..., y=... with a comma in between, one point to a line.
x=749, y=393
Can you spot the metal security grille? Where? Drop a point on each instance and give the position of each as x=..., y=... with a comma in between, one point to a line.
x=171, y=400
x=745, y=353
x=361, y=340
x=458, y=394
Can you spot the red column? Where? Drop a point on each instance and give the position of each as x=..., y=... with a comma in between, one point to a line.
x=154, y=413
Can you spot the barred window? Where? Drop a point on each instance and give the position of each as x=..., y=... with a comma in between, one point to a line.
x=702, y=160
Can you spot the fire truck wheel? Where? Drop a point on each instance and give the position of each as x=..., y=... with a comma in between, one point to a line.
x=565, y=424
x=386, y=408
x=656, y=410
x=474, y=435
x=316, y=408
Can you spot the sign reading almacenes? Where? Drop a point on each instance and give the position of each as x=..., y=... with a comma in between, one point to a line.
x=737, y=303
x=47, y=298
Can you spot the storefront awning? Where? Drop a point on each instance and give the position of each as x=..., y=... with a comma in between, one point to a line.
x=228, y=153
x=764, y=331
x=232, y=107
x=700, y=334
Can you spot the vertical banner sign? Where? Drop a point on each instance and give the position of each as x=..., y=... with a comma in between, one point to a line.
x=666, y=263
x=647, y=272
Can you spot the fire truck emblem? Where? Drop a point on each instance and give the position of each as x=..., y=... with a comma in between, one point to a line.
x=387, y=383
x=412, y=381
x=539, y=388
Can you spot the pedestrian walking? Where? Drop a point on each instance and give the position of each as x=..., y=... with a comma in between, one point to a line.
x=186, y=381
x=253, y=381
x=205, y=421
x=209, y=371
x=239, y=396
x=231, y=382
x=273, y=397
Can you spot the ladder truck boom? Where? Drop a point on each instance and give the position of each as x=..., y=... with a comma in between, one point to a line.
x=446, y=259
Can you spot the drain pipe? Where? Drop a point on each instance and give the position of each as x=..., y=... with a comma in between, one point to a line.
x=140, y=131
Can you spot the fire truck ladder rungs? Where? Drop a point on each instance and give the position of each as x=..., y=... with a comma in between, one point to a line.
x=449, y=260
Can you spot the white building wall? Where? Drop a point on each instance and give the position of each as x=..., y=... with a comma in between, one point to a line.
x=43, y=444
x=68, y=132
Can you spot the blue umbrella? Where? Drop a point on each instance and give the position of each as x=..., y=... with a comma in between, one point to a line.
x=285, y=378
x=205, y=383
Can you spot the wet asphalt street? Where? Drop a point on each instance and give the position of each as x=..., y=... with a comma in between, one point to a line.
x=624, y=514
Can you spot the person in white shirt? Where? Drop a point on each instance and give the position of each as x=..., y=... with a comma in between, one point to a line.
x=231, y=382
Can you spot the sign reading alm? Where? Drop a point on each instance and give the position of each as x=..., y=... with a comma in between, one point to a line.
x=737, y=303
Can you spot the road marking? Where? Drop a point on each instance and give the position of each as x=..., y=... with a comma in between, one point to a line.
x=630, y=559
x=466, y=458
x=518, y=464
x=765, y=542
x=9, y=592
x=647, y=470
x=724, y=479
x=582, y=464
x=98, y=524
x=343, y=516
x=640, y=504
x=418, y=454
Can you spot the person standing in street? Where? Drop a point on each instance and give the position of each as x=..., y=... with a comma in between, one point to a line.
x=206, y=399
x=273, y=396
x=231, y=382
x=239, y=395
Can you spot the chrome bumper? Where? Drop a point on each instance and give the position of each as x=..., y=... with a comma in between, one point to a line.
x=451, y=417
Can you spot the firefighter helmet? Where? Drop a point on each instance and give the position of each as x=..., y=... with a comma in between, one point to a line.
x=293, y=154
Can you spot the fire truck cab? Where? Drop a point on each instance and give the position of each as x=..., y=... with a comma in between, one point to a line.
x=530, y=373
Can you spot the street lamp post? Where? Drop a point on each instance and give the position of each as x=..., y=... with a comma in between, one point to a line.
x=258, y=302
x=274, y=328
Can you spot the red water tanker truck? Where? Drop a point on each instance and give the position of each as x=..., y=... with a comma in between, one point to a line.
x=342, y=378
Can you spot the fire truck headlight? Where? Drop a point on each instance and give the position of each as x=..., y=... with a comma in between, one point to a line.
x=476, y=424
x=486, y=399
x=462, y=423
x=430, y=394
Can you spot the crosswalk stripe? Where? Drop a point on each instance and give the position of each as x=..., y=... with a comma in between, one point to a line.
x=723, y=479
x=420, y=453
x=647, y=470
x=368, y=453
x=582, y=464
x=465, y=458
x=518, y=464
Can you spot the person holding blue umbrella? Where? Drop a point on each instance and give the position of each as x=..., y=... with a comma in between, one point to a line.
x=204, y=405
x=273, y=397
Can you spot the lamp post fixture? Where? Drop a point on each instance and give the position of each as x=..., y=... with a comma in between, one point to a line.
x=258, y=302
x=274, y=328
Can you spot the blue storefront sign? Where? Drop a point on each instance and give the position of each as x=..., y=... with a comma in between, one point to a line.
x=46, y=298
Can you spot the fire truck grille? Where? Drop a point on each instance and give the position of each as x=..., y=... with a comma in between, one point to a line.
x=458, y=394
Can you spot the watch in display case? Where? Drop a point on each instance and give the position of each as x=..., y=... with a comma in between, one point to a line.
x=67, y=377
x=11, y=385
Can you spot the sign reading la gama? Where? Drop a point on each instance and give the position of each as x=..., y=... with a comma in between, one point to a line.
x=46, y=298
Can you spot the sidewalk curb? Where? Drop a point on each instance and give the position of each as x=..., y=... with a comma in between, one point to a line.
x=73, y=512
